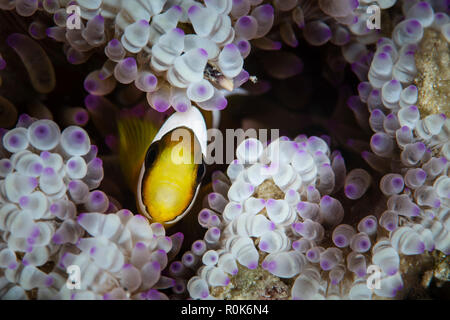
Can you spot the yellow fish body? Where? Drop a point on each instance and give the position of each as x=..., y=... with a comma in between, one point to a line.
x=164, y=167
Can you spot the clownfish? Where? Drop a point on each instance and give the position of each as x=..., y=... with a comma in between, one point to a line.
x=164, y=167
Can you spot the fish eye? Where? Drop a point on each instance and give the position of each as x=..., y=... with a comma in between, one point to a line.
x=201, y=171
x=150, y=157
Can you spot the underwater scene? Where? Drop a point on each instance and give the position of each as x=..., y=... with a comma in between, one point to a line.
x=224, y=149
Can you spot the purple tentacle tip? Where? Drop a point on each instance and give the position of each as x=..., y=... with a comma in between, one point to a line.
x=57, y=238
x=156, y=265
x=267, y=9
x=361, y=273
x=140, y=245
x=192, y=10
x=80, y=217
x=391, y=271
x=49, y=281
x=421, y=247
x=263, y=245
x=179, y=235
x=272, y=226
x=325, y=265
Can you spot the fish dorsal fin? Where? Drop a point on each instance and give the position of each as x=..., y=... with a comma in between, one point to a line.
x=135, y=136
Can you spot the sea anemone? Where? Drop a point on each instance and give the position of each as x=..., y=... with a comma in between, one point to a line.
x=174, y=66
x=48, y=179
x=412, y=220
x=122, y=259
x=48, y=176
x=305, y=234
